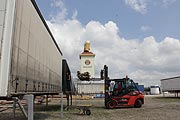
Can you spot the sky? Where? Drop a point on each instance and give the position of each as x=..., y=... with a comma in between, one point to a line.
x=138, y=38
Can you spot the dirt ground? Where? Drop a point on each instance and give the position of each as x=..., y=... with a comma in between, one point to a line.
x=155, y=108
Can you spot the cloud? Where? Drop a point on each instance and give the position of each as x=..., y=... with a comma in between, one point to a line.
x=168, y=2
x=146, y=61
x=142, y=6
x=145, y=28
x=75, y=14
x=138, y=5
x=61, y=10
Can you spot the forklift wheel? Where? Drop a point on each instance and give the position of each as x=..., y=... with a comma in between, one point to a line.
x=111, y=104
x=138, y=104
x=88, y=112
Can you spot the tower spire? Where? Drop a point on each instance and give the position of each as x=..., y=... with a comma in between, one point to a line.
x=86, y=46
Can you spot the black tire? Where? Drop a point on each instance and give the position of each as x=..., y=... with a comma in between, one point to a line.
x=138, y=104
x=88, y=112
x=111, y=104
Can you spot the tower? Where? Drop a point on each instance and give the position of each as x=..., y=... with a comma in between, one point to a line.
x=87, y=60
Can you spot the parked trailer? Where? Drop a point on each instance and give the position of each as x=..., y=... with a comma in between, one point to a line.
x=67, y=83
x=30, y=59
x=68, y=86
x=171, y=84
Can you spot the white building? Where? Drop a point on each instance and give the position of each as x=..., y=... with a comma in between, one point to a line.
x=155, y=90
x=95, y=85
x=87, y=60
x=90, y=87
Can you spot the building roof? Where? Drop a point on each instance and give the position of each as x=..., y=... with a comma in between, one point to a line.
x=87, y=54
x=170, y=78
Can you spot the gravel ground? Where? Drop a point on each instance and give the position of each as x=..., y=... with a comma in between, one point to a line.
x=155, y=108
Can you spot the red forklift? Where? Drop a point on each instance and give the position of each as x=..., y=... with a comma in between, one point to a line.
x=121, y=92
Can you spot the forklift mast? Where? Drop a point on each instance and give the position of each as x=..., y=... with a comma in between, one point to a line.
x=104, y=75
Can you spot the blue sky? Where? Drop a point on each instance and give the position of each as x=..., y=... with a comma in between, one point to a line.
x=160, y=19
x=138, y=38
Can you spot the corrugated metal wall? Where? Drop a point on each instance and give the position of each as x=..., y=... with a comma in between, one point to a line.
x=90, y=88
x=2, y=13
x=36, y=61
x=7, y=23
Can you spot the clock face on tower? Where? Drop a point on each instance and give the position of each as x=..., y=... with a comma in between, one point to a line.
x=87, y=62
